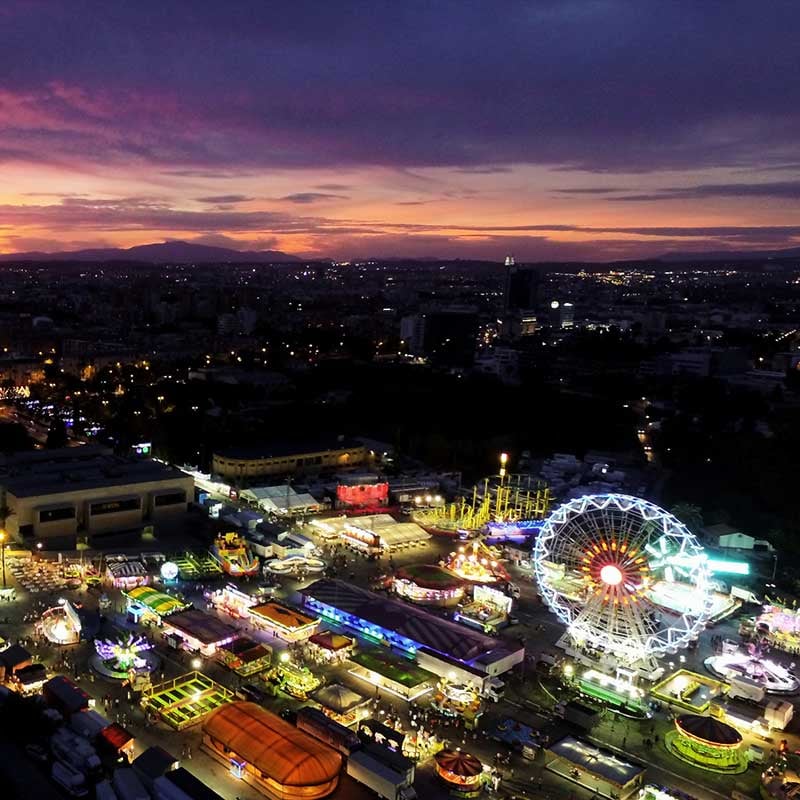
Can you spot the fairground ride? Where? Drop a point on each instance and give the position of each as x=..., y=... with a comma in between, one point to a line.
x=601, y=562
x=498, y=498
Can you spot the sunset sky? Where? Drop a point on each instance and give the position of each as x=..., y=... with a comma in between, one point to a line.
x=585, y=129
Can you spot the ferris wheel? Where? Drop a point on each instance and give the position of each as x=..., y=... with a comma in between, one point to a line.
x=625, y=576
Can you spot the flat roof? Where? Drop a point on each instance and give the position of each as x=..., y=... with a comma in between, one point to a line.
x=201, y=626
x=77, y=469
x=399, y=670
x=427, y=630
x=596, y=761
x=283, y=616
x=281, y=449
x=158, y=602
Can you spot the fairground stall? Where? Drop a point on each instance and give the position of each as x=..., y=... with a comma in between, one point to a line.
x=489, y=610
x=341, y=704
x=284, y=622
x=428, y=585
x=398, y=676
x=197, y=631
x=245, y=656
x=148, y=606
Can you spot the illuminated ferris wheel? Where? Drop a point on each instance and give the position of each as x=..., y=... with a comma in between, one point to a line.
x=625, y=576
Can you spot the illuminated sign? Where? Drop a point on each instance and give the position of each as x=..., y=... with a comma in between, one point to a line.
x=169, y=571
x=678, y=563
x=724, y=567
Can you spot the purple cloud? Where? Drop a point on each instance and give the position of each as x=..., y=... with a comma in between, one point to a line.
x=225, y=199
x=306, y=198
x=609, y=86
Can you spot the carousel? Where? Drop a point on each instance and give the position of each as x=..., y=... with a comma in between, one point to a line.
x=124, y=657
x=707, y=743
x=460, y=771
x=476, y=563
x=458, y=700
x=427, y=584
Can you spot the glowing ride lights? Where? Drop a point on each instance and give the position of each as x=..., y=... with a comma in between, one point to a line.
x=598, y=560
x=61, y=624
x=611, y=574
x=458, y=769
x=707, y=743
x=123, y=654
x=475, y=566
x=169, y=571
x=753, y=666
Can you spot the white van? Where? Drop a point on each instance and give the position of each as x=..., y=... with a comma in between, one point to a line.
x=72, y=781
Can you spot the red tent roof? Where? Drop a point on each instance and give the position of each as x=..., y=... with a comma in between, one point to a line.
x=458, y=763
x=282, y=752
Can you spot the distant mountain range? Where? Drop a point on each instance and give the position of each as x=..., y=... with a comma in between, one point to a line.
x=178, y=252
x=164, y=252
x=731, y=255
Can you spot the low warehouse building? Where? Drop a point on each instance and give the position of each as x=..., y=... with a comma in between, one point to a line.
x=55, y=496
x=270, y=753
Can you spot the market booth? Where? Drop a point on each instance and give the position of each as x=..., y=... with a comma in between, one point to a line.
x=245, y=656
x=286, y=623
x=327, y=646
x=197, y=631
x=270, y=754
x=341, y=704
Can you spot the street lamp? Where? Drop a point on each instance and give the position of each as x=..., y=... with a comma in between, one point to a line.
x=3, y=555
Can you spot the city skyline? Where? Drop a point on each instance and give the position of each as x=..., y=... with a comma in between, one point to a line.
x=555, y=130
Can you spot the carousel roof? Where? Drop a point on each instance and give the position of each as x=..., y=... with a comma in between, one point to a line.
x=458, y=762
x=708, y=730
